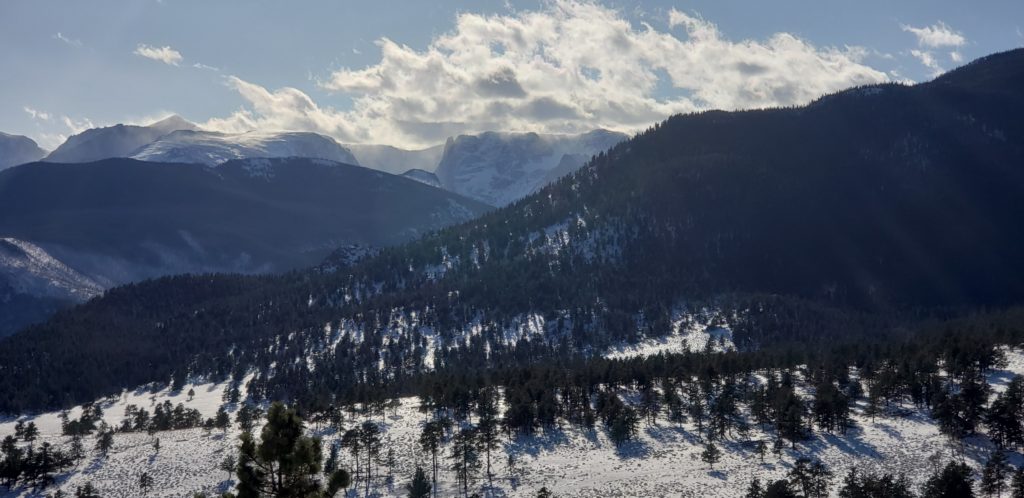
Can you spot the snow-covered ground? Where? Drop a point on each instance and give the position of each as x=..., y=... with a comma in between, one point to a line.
x=663, y=461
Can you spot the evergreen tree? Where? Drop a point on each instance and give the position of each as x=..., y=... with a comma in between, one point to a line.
x=953, y=481
x=30, y=432
x=994, y=474
x=222, y=420
x=87, y=491
x=810, y=477
x=228, y=464
x=420, y=486
x=544, y=493
x=780, y=489
x=754, y=490
x=711, y=454
x=369, y=435
x=430, y=441
x=285, y=463
x=145, y=483
x=104, y=441
x=1017, y=486
x=860, y=485
x=464, y=457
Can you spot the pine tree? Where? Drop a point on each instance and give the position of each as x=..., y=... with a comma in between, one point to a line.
x=30, y=433
x=762, y=448
x=228, y=464
x=87, y=491
x=953, y=481
x=1017, y=486
x=222, y=419
x=430, y=441
x=104, y=441
x=754, y=490
x=488, y=427
x=420, y=486
x=993, y=476
x=544, y=493
x=285, y=463
x=464, y=457
x=711, y=455
x=145, y=483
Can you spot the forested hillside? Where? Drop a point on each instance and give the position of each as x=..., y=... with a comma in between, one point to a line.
x=864, y=212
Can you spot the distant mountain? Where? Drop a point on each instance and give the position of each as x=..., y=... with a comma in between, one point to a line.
x=34, y=284
x=498, y=168
x=114, y=141
x=798, y=226
x=211, y=148
x=120, y=220
x=17, y=149
x=423, y=177
x=394, y=160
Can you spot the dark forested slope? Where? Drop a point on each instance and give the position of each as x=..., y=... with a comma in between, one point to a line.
x=816, y=222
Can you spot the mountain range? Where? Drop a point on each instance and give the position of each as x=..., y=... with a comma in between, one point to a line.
x=122, y=220
x=811, y=225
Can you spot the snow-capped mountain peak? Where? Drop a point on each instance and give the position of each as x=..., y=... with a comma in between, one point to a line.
x=211, y=148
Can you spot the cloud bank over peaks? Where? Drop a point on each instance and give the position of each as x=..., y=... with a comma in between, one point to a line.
x=568, y=67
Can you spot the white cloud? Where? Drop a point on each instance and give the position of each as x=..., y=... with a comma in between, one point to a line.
x=936, y=36
x=69, y=41
x=40, y=115
x=569, y=67
x=165, y=54
x=928, y=60
x=77, y=126
x=199, y=65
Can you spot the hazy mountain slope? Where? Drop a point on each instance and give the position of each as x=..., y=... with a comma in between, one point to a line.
x=498, y=168
x=211, y=148
x=113, y=141
x=33, y=284
x=124, y=219
x=17, y=149
x=394, y=160
x=878, y=199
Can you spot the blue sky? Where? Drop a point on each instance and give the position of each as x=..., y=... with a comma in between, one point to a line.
x=453, y=67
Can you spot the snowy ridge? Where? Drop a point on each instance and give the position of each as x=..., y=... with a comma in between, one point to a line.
x=211, y=148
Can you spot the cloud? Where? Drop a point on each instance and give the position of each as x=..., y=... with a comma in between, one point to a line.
x=936, y=36
x=165, y=54
x=199, y=65
x=40, y=115
x=69, y=41
x=928, y=60
x=570, y=66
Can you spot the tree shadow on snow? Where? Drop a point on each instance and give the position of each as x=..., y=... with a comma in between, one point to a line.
x=533, y=444
x=851, y=443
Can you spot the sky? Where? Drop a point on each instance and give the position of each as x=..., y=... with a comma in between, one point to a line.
x=412, y=73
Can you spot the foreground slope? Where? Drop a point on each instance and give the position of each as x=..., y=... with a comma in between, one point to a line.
x=860, y=206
